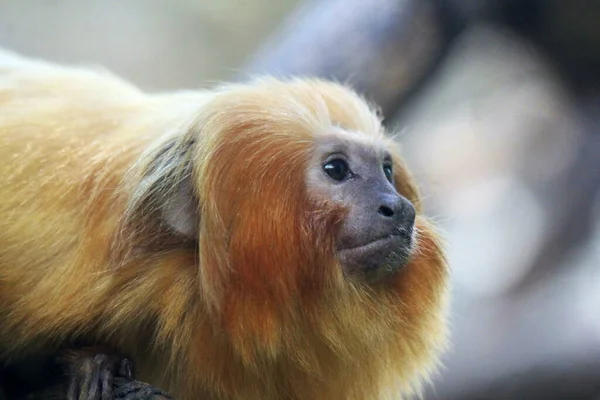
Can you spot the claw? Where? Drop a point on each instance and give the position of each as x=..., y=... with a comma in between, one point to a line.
x=126, y=369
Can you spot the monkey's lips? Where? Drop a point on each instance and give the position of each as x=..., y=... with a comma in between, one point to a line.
x=379, y=257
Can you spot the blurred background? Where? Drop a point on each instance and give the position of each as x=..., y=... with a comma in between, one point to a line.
x=496, y=103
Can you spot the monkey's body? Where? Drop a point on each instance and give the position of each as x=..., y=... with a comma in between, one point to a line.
x=74, y=146
x=65, y=147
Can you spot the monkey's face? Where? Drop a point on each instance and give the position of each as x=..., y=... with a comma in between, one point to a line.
x=376, y=236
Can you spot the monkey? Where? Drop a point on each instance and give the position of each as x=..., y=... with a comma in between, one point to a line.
x=254, y=240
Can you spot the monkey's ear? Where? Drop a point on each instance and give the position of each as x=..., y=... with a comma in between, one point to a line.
x=163, y=208
x=180, y=211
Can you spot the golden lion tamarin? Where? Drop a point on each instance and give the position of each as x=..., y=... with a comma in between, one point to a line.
x=255, y=241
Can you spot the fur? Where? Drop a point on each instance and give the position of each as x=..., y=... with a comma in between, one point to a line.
x=254, y=305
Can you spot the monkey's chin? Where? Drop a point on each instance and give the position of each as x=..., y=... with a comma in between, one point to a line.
x=377, y=260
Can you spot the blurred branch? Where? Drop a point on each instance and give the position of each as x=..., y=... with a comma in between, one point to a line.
x=573, y=204
x=384, y=48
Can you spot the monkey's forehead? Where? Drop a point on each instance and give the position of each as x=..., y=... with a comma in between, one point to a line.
x=341, y=140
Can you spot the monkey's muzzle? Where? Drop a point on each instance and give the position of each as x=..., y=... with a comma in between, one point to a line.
x=381, y=257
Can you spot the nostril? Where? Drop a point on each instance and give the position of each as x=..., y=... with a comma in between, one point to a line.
x=385, y=211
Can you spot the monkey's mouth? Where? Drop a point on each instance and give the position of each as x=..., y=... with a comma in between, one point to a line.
x=383, y=255
x=398, y=233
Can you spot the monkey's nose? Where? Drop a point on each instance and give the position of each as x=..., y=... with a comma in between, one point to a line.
x=386, y=211
x=397, y=209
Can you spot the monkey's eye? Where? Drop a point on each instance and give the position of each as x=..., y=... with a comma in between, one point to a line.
x=389, y=173
x=337, y=169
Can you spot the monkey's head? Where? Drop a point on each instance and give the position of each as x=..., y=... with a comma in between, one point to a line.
x=311, y=246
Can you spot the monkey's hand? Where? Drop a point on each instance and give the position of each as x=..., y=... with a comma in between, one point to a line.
x=128, y=389
x=92, y=373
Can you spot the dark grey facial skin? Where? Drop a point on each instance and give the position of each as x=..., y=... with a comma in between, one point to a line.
x=377, y=236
